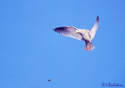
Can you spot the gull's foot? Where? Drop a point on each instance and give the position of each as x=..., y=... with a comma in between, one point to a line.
x=85, y=48
x=89, y=48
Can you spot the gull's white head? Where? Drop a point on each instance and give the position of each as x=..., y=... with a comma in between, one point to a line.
x=77, y=31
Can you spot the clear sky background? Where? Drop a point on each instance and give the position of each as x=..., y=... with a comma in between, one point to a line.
x=31, y=52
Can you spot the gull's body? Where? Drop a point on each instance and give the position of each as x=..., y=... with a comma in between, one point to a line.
x=80, y=34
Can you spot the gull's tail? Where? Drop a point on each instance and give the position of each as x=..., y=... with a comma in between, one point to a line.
x=89, y=46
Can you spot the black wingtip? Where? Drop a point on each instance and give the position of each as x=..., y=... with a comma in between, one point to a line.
x=60, y=28
x=54, y=29
x=97, y=18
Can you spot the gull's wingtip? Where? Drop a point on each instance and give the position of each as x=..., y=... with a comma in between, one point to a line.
x=54, y=29
x=97, y=18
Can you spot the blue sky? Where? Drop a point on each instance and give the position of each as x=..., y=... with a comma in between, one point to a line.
x=31, y=52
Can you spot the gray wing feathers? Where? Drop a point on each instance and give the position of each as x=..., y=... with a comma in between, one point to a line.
x=95, y=27
x=68, y=31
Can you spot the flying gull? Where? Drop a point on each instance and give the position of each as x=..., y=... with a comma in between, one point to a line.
x=80, y=34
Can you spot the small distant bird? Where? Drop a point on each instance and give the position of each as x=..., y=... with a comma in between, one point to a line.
x=80, y=34
x=49, y=80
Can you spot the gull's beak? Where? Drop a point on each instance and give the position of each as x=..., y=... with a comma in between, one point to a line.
x=75, y=32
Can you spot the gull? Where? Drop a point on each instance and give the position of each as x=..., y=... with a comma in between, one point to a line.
x=80, y=34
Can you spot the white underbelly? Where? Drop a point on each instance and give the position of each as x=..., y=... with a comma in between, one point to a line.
x=87, y=37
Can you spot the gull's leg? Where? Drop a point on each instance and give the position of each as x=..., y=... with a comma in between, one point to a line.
x=88, y=46
x=85, y=48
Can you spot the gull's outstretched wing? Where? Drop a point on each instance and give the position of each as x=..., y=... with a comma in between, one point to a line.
x=95, y=27
x=68, y=31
